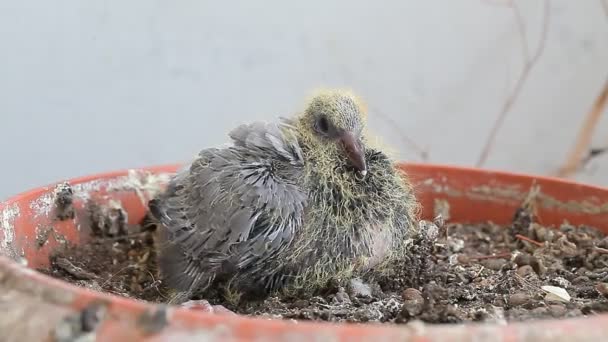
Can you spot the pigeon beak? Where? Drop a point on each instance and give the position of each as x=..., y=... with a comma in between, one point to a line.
x=354, y=151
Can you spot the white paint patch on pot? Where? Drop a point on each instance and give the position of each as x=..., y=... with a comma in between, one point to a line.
x=83, y=191
x=146, y=184
x=7, y=221
x=43, y=205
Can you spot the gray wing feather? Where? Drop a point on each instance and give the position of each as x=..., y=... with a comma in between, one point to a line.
x=236, y=203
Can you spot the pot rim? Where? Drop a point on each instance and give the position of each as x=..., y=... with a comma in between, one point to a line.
x=171, y=167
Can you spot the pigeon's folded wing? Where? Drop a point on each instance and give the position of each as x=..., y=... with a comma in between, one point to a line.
x=234, y=204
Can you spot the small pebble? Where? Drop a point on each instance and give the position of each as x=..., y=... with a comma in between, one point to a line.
x=524, y=259
x=494, y=264
x=410, y=294
x=518, y=299
x=525, y=270
x=557, y=310
x=412, y=302
x=463, y=259
x=602, y=288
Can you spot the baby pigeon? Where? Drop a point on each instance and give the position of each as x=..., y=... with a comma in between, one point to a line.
x=290, y=205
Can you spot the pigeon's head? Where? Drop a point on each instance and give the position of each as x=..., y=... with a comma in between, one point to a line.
x=336, y=120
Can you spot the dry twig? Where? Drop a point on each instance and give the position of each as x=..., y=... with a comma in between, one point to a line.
x=529, y=64
x=601, y=250
x=577, y=157
x=527, y=239
x=73, y=270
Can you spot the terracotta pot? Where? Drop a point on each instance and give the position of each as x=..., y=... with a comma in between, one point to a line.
x=36, y=307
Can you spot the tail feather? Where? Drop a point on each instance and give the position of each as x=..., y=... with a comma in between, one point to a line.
x=179, y=271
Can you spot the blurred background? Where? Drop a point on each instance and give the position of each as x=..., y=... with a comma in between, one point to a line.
x=92, y=86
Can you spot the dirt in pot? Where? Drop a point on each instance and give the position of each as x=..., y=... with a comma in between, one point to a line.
x=118, y=258
x=456, y=273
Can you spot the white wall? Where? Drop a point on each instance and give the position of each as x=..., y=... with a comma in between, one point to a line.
x=90, y=86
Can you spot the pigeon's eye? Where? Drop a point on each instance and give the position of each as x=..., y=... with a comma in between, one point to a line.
x=322, y=125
